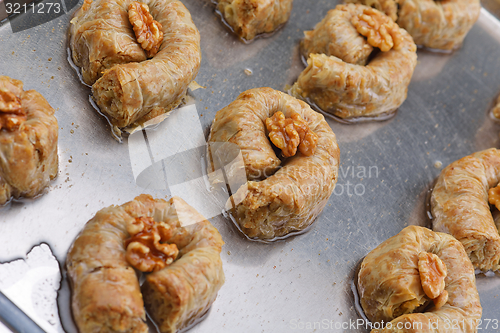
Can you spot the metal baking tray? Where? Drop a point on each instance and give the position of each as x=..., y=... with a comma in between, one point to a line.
x=302, y=283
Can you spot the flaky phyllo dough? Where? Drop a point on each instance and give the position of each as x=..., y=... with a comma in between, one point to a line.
x=250, y=18
x=422, y=280
x=434, y=24
x=344, y=76
x=282, y=195
x=28, y=141
x=184, y=258
x=460, y=205
x=139, y=57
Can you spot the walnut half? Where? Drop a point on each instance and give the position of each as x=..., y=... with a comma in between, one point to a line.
x=147, y=31
x=288, y=134
x=11, y=112
x=432, y=274
x=145, y=250
x=494, y=196
x=379, y=29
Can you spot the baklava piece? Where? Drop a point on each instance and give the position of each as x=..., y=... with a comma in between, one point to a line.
x=28, y=142
x=170, y=242
x=434, y=24
x=359, y=64
x=139, y=57
x=460, y=206
x=284, y=193
x=251, y=18
x=419, y=281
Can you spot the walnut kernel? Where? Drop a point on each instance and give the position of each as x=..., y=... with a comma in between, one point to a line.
x=378, y=28
x=11, y=112
x=441, y=300
x=86, y=5
x=145, y=250
x=288, y=134
x=432, y=274
x=494, y=196
x=147, y=31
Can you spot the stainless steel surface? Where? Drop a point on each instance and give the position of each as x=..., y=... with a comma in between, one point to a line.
x=32, y=285
x=3, y=11
x=386, y=168
x=493, y=6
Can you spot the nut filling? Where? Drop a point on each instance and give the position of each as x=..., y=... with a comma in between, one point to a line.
x=494, y=196
x=288, y=134
x=379, y=29
x=11, y=112
x=432, y=274
x=147, y=31
x=145, y=248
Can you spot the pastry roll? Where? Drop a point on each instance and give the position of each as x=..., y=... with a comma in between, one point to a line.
x=172, y=242
x=139, y=57
x=284, y=192
x=434, y=24
x=250, y=18
x=460, y=206
x=419, y=281
x=342, y=79
x=28, y=141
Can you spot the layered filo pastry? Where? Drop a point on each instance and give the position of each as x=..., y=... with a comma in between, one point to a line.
x=359, y=64
x=252, y=18
x=290, y=162
x=171, y=242
x=419, y=281
x=139, y=57
x=464, y=201
x=28, y=142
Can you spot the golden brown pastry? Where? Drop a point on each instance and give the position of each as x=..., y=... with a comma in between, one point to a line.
x=28, y=141
x=336, y=78
x=282, y=195
x=171, y=240
x=419, y=281
x=250, y=18
x=139, y=63
x=460, y=206
x=434, y=24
